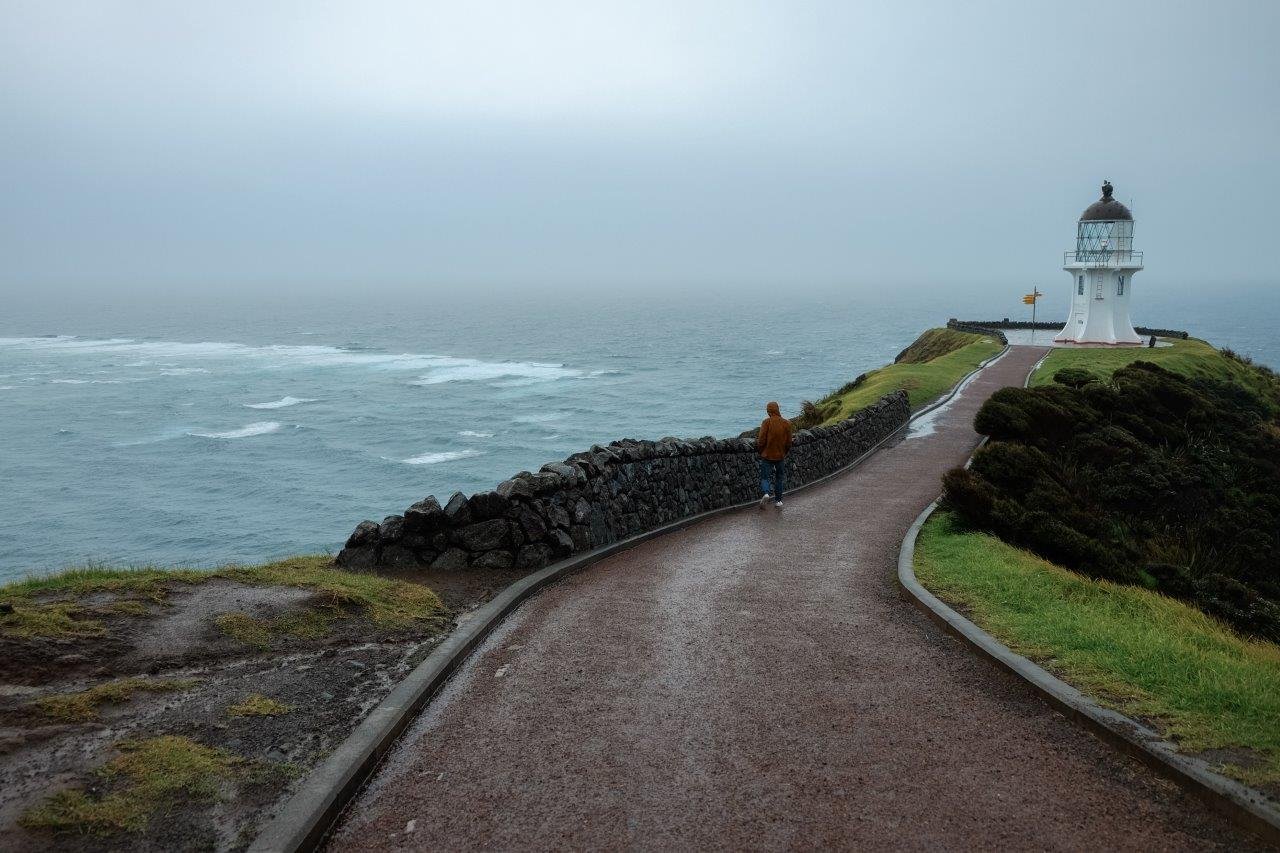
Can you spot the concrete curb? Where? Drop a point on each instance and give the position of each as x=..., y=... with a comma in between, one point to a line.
x=304, y=820
x=1243, y=805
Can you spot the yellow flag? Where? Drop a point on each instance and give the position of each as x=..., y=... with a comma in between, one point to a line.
x=1029, y=299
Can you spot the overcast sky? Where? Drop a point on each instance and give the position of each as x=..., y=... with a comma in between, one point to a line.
x=667, y=144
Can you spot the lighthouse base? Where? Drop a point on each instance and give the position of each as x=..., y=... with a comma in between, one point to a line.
x=1067, y=342
x=1099, y=328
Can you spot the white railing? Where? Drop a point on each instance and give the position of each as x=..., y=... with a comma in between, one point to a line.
x=1104, y=257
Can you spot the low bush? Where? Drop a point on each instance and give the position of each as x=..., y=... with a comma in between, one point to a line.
x=1149, y=478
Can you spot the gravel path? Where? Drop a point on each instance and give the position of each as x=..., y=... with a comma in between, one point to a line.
x=756, y=682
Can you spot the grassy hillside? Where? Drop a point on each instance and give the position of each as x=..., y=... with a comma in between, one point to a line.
x=935, y=343
x=1140, y=652
x=925, y=370
x=1191, y=358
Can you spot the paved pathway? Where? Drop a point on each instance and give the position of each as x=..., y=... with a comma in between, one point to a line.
x=756, y=682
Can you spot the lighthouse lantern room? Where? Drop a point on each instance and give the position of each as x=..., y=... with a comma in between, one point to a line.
x=1102, y=269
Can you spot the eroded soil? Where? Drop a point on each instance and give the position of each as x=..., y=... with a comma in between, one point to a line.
x=328, y=684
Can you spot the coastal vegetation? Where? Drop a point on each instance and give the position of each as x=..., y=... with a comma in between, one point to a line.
x=1143, y=653
x=1149, y=478
x=1192, y=358
x=1120, y=528
x=926, y=370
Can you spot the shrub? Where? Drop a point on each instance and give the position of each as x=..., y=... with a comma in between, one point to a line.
x=1074, y=377
x=1150, y=478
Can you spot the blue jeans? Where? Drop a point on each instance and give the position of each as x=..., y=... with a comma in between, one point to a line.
x=775, y=471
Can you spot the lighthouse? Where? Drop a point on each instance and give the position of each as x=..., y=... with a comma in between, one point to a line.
x=1102, y=269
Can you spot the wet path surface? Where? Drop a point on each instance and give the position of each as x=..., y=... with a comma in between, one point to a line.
x=757, y=682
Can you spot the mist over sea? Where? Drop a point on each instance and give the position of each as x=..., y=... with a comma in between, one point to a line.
x=144, y=433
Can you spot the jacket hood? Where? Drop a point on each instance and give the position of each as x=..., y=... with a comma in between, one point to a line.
x=773, y=409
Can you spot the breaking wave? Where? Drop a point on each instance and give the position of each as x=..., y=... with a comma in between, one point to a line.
x=433, y=369
x=283, y=402
x=260, y=428
x=436, y=458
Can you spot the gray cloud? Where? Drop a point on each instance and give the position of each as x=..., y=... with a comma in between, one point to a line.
x=609, y=144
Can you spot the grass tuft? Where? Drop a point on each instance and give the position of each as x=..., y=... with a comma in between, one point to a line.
x=386, y=602
x=148, y=777
x=83, y=705
x=1145, y=654
x=245, y=629
x=51, y=620
x=147, y=583
x=257, y=705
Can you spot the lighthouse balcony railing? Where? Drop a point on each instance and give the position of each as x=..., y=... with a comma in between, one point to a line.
x=1104, y=257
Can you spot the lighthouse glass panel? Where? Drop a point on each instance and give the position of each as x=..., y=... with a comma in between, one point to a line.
x=1097, y=240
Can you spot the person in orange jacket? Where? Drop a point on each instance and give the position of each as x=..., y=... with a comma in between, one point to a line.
x=773, y=441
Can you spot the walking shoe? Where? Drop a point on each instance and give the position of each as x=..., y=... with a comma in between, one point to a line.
x=764, y=500
x=778, y=504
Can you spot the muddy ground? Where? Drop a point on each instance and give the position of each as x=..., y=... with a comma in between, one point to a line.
x=328, y=684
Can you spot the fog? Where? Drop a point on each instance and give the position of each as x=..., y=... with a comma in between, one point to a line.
x=307, y=147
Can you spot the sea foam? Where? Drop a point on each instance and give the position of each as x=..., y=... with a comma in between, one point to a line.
x=282, y=403
x=260, y=428
x=447, y=369
x=433, y=369
x=436, y=458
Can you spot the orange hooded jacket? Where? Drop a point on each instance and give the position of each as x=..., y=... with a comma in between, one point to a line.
x=774, y=439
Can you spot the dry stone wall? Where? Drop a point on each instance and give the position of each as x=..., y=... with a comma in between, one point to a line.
x=603, y=495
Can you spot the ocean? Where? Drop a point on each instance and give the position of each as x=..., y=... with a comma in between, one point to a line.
x=161, y=432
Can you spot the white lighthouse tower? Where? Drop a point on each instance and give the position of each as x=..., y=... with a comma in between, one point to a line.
x=1102, y=269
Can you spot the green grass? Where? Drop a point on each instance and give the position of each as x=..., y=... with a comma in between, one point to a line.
x=149, y=777
x=934, y=343
x=1192, y=358
x=50, y=606
x=924, y=382
x=1140, y=652
x=82, y=705
x=257, y=705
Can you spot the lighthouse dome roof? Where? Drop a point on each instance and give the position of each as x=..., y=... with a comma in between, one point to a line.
x=1106, y=208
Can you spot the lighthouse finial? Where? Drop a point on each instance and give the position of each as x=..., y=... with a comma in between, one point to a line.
x=1106, y=189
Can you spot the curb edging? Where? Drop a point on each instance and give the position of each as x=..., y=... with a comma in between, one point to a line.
x=1243, y=805
x=304, y=820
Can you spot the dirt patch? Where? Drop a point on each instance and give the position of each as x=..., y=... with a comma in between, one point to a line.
x=274, y=712
x=182, y=628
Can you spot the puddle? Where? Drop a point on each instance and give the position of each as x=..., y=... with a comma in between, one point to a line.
x=927, y=424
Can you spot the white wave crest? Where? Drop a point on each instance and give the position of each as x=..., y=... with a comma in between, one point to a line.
x=473, y=370
x=435, y=369
x=443, y=456
x=471, y=433
x=282, y=403
x=260, y=428
x=541, y=418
